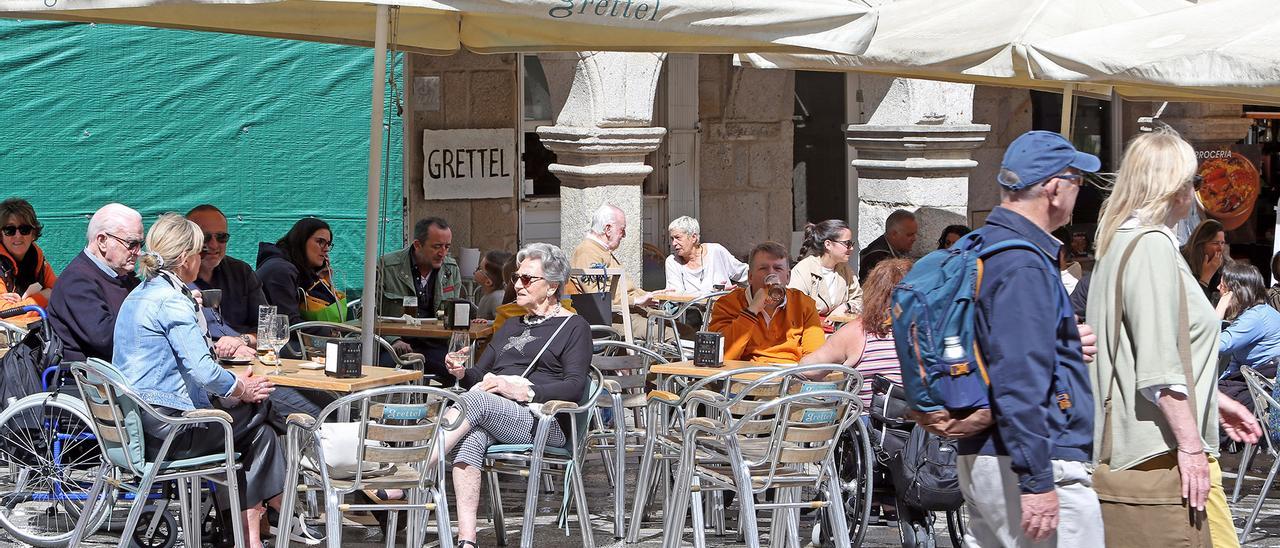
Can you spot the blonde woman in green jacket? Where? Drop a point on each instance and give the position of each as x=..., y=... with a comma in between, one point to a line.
x=1139, y=367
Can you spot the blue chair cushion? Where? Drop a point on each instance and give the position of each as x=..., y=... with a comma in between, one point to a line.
x=525, y=448
x=187, y=464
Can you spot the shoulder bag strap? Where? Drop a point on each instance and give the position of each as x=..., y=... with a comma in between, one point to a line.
x=538, y=356
x=1184, y=343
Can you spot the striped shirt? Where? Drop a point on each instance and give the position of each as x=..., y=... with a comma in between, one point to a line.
x=878, y=357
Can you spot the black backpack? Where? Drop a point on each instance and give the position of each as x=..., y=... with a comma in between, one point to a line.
x=924, y=473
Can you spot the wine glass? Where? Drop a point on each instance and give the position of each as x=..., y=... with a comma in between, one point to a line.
x=459, y=341
x=278, y=337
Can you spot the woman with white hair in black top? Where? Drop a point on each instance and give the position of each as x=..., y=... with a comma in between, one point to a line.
x=544, y=355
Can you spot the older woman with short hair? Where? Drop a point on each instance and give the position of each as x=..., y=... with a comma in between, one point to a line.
x=544, y=355
x=695, y=267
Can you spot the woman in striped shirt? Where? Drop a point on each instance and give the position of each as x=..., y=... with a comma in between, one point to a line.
x=867, y=342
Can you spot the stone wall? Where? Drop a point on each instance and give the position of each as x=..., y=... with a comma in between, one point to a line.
x=1008, y=112
x=475, y=92
x=745, y=158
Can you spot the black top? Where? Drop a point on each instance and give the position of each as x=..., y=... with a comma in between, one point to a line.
x=876, y=251
x=563, y=371
x=1080, y=296
x=83, y=307
x=280, y=283
x=241, y=294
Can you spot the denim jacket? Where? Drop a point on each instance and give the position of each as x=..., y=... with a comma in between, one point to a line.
x=161, y=350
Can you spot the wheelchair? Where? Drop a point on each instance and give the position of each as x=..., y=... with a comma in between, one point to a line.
x=863, y=459
x=50, y=457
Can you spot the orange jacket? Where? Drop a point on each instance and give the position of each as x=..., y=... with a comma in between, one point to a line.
x=792, y=334
x=44, y=276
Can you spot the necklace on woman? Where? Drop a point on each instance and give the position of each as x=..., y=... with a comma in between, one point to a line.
x=525, y=337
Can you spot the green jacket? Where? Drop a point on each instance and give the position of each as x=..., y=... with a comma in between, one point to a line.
x=396, y=280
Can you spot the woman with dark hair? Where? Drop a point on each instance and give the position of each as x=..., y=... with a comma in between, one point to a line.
x=296, y=276
x=1205, y=252
x=1253, y=336
x=25, y=276
x=488, y=275
x=951, y=234
x=824, y=274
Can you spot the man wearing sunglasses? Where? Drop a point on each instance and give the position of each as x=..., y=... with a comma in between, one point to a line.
x=84, y=303
x=241, y=289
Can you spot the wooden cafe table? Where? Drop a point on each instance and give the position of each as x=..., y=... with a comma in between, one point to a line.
x=431, y=329
x=292, y=375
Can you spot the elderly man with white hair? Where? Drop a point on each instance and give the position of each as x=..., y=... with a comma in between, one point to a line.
x=696, y=267
x=608, y=228
x=83, y=307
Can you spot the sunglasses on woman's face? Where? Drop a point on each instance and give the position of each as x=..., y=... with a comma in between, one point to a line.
x=10, y=230
x=524, y=279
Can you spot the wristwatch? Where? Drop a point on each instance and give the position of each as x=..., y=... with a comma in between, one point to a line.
x=248, y=341
x=530, y=393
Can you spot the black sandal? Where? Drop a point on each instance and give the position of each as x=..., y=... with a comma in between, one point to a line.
x=464, y=543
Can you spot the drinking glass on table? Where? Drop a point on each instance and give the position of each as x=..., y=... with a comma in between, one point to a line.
x=266, y=315
x=278, y=336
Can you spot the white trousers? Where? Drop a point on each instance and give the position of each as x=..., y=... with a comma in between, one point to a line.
x=995, y=506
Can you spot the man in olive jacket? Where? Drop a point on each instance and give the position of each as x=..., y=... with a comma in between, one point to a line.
x=423, y=269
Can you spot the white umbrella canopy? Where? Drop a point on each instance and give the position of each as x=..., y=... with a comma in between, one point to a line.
x=488, y=26
x=1228, y=50
x=970, y=41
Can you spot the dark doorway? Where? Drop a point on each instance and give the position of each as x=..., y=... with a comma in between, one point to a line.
x=819, y=148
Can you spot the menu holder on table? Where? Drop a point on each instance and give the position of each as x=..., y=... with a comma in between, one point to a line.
x=342, y=359
x=708, y=349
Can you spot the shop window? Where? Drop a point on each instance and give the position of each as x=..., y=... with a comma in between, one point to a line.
x=538, y=182
x=1092, y=134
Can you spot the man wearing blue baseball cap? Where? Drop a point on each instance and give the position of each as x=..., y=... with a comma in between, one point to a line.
x=1041, y=443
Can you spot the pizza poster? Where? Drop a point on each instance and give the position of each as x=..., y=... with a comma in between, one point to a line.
x=1230, y=188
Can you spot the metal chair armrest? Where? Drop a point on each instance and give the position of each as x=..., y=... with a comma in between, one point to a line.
x=558, y=406
x=301, y=420
x=207, y=414
x=612, y=386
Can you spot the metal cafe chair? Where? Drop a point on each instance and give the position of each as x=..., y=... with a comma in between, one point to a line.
x=663, y=324
x=312, y=337
x=625, y=368
x=391, y=445
x=116, y=410
x=533, y=460
x=752, y=446
x=1264, y=405
x=1259, y=388
x=663, y=443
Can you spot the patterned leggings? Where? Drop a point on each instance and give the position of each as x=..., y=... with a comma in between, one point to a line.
x=495, y=419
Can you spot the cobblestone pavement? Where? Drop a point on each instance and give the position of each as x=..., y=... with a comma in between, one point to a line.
x=1266, y=533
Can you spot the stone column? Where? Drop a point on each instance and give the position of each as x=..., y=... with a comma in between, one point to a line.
x=914, y=152
x=604, y=108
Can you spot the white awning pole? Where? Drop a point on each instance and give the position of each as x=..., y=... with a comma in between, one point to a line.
x=369, y=297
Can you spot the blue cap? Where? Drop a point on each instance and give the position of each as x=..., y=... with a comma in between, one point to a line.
x=1035, y=156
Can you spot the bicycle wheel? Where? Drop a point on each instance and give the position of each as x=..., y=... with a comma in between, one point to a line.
x=957, y=522
x=854, y=461
x=49, y=459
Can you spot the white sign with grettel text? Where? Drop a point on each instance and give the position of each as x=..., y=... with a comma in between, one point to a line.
x=468, y=163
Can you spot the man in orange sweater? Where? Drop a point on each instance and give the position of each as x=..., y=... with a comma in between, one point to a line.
x=761, y=328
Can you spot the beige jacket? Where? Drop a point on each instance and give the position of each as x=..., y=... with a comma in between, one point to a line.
x=590, y=254
x=807, y=277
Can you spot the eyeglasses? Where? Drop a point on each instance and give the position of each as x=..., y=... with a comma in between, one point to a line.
x=131, y=245
x=524, y=279
x=1196, y=182
x=221, y=237
x=1075, y=178
x=323, y=243
x=848, y=244
x=10, y=230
